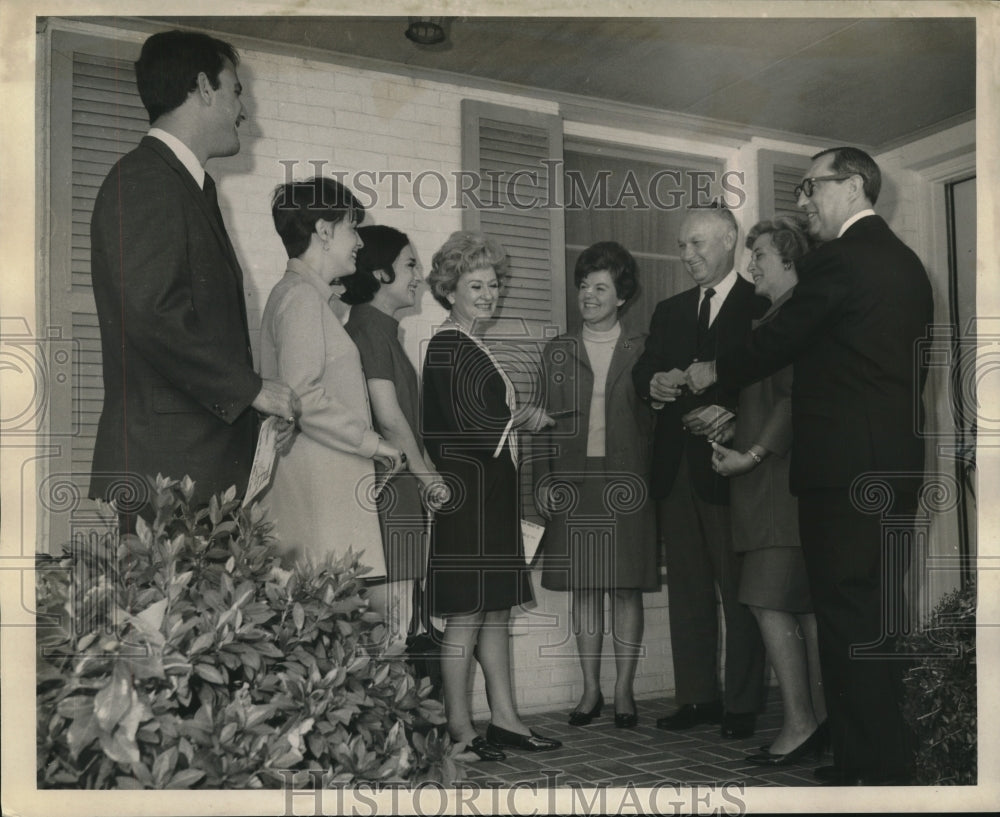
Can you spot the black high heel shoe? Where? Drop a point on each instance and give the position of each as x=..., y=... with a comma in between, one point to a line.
x=533, y=742
x=627, y=720
x=824, y=739
x=812, y=747
x=486, y=750
x=580, y=718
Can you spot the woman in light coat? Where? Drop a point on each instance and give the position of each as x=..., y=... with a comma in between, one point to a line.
x=322, y=496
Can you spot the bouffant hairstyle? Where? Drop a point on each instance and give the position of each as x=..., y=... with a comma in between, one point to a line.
x=382, y=247
x=297, y=206
x=463, y=252
x=613, y=257
x=788, y=234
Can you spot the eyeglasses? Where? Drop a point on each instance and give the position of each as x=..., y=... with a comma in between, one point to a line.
x=808, y=185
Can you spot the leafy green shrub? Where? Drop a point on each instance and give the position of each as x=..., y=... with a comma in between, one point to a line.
x=187, y=656
x=940, y=701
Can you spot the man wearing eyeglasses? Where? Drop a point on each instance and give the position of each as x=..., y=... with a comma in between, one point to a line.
x=851, y=330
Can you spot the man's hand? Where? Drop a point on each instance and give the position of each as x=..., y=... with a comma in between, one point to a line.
x=700, y=375
x=731, y=463
x=664, y=387
x=278, y=399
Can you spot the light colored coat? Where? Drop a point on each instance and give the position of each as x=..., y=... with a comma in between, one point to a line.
x=321, y=496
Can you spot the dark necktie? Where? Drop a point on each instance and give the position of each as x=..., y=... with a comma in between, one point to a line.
x=212, y=197
x=703, y=314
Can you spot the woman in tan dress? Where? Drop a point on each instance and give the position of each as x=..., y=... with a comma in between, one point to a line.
x=322, y=496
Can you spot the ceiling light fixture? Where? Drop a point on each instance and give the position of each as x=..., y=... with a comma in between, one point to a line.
x=425, y=30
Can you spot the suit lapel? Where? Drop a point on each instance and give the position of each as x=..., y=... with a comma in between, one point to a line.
x=732, y=300
x=199, y=201
x=579, y=352
x=685, y=329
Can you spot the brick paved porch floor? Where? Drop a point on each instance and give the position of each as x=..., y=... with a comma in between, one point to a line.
x=600, y=754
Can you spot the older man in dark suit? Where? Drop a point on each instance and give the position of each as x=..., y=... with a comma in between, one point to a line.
x=180, y=388
x=694, y=500
x=851, y=329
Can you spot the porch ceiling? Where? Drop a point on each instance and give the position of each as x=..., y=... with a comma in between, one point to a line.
x=870, y=82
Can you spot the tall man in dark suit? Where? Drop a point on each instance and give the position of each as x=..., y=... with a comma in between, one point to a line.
x=694, y=500
x=180, y=390
x=851, y=329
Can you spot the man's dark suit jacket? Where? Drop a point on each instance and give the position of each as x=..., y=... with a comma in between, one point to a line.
x=851, y=328
x=178, y=371
x=672, y=344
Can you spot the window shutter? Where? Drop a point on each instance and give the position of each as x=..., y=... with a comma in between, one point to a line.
x=779, y=174
x=95, y=117
x=514, y=152
x=517, y=156
x=108, y=121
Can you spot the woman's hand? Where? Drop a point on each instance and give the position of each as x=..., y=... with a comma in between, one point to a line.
x=532, y=419
x=389, y=456
x=731, y=463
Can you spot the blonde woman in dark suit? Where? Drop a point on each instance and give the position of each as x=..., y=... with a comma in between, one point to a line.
x=471, y=419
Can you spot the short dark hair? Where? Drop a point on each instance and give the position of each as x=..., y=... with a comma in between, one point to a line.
x=463, y=252
x=168, y=67
x=788, y=234
x=613, y=257
x=383, y=244
x=297, y=206
x=855, y=160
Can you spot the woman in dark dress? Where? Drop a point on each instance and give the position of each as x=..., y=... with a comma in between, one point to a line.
x=385, y=283
x=601, y=534
x=470, y=422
